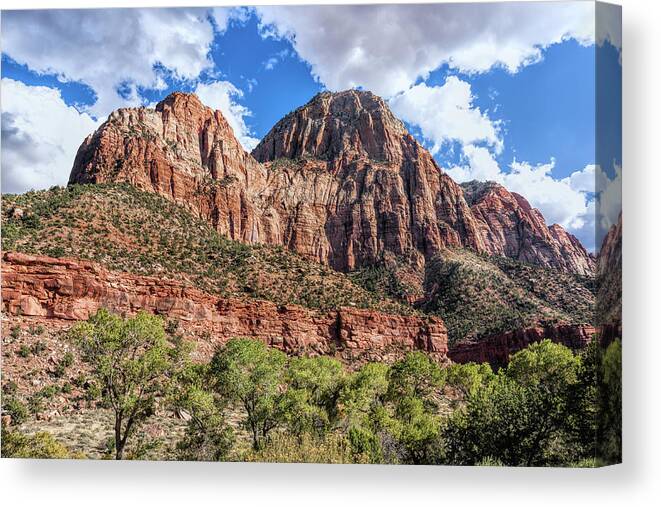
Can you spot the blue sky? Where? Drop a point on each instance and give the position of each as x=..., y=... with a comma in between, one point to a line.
x=519, y=109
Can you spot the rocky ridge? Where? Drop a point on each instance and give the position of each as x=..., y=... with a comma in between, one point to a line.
x=67, y=290
x=339, y=180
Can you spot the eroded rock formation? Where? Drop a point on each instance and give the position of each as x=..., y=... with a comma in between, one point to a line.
x=511, y=227
x=69, y=290
x=339, y=180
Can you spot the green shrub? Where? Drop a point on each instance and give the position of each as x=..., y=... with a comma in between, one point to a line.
x=283, y=448
x=38, y=347
x=17, y=410
x=39, y=446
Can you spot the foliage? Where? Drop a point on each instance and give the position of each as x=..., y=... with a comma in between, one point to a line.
x=521, y=417
x=611, y=415
x=208, y=437
x=284, y=448
x=415, y=385
x=468, y=377
x=133, y=363
x=249, y=372
x=15, y=408
x=478, y=296
x=313, y=387
x=126, y=229
x=39, y=446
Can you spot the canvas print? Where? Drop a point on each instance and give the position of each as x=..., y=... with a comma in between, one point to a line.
x=359, y=234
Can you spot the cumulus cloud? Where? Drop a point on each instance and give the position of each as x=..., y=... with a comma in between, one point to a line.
x=446, y=113
x=609, y=25
x=609, y=199
x=568, y=201
x=113, y=49
x=480, y=165
x=387, y=48
x=40, y=136
x=222, y=95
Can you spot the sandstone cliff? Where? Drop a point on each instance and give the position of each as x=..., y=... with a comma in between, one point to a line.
x=339, y=180
x=69, y=290
x=609, y=282
x=510, y=227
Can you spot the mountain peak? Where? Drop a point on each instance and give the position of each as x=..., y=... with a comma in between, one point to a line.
x=332, y=125
x=180, y=99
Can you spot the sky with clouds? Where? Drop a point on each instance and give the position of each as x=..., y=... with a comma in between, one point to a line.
x=502, y=91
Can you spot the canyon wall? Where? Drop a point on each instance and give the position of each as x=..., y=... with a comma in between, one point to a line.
x=71, y=290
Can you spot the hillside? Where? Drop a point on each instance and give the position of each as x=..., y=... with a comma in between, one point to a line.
x=125, y=229
x=128, y=230
x=478, y=296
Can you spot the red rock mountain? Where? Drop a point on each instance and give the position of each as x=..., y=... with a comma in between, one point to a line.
x=338, y=180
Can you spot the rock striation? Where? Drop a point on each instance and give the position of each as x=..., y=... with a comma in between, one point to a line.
x=339, y=180
x=63, y=290
x=609, y=284
x=511, y=227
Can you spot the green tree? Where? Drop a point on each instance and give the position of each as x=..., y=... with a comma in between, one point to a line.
x=249, y=372
x=521, y=416
x=361, y=406
x=415, y=376
x=468, y=377
x=611, y=414
x=414, y=389
x=208, y=437
x=133, y=364
x=314, y=385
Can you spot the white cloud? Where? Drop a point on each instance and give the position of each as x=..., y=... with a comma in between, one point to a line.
x=221, y=95
x=609, y=25
x=556, y=199
x=386, y=48
x=111, y=48
x=271, y=63
x=480, y=166
x=40, y=136
x=568, y=201
x=446, y=113
x=609, y=199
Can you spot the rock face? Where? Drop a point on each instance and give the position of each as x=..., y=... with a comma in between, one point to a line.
x=497, y=349
x=339, y=180
x=510, y=227
x=609, y=283
x=181, y=150
x=69, y=290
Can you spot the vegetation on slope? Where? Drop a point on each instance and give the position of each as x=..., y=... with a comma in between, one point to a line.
x=129, y=230
x=478, y=296
x=126, y=229
x=549, y=406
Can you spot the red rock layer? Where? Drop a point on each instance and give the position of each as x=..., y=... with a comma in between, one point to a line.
x=70, y=290
x=341, y=181
x=511, y=227
x=609, y=282
x=497, y=349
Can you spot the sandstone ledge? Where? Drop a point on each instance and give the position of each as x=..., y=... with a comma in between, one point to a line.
x=70, y=290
